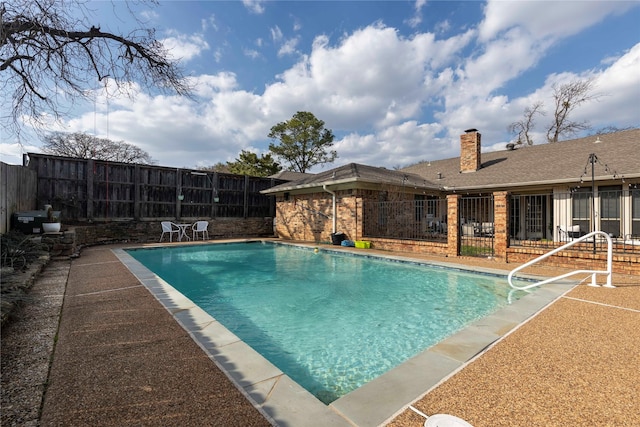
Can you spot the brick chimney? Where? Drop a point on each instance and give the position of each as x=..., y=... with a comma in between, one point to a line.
x=470, y=151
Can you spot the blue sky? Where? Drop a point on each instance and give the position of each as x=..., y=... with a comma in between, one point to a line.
x=397, y=81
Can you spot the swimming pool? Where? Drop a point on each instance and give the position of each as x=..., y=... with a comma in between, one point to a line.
x=329, y=320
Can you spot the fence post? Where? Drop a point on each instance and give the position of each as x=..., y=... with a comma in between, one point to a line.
x=500, y=224
x=178, y=193
x=216, y=192
x=272, y=200
x=136, y=192
x=246, y=197
x=90, y=178
x=453, y=227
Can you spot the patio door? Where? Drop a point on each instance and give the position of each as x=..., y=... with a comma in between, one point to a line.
x=635, y=213
x=610, y=207
x=536, y=217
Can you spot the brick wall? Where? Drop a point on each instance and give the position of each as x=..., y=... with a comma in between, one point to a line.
x=621, y=263
x=309, y=217
x=470, y=151
x=410, y=246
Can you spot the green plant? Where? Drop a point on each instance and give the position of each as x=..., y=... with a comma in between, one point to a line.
x=51, y=218
x=466, y=250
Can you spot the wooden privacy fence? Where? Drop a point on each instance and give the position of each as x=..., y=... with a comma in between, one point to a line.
x=18, y=189
x=87, y=189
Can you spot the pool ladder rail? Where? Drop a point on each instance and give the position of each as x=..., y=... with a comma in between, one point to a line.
x=593, y=273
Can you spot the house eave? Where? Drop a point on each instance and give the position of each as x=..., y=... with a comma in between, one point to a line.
x=545, y=183
x=314, y=185
x=448, y=188
x=336, y=183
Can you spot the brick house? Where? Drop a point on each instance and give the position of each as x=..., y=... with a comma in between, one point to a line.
x=511, y=204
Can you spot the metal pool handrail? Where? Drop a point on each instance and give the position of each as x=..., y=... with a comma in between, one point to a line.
x=608, y=271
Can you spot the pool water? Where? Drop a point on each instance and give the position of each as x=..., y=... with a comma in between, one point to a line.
x=330, y=321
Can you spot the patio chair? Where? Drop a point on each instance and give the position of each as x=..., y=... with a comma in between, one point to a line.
x=568, y=233
x=200, y=227
x=469, y=230
x=170, y=228
x=487, y=229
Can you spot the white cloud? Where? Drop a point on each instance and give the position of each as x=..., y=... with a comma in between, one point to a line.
x=206, y=86
x=217, y=54
x=289, y=47
x=254, y=6
x=251, y=53
x=185, y=47
x=443, y=26
x=11, y=152
x=563, y=19
x=619, y=86
x=416, y=19
x=276, y=34
x=297, y=25
x=149, y=15
x=209, y=22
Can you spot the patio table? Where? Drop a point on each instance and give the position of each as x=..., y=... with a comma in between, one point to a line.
x=183, y=231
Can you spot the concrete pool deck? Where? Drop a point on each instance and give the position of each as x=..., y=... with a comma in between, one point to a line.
x=122, y=358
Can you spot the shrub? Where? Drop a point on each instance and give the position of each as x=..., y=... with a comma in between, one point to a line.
x=17, y=252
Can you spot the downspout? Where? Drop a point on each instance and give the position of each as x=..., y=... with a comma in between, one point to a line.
x=324, y=187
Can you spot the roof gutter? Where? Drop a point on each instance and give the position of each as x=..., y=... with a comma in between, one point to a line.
x=324, y=187
x=531, y=183
x=340, y=182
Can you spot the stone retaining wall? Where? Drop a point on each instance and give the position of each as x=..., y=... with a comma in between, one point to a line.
x=150, y=231
x=75, y=236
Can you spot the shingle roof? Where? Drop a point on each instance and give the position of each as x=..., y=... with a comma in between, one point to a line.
x=560, y=162
x=352, y=173
x=618, y=155
x=290, y=175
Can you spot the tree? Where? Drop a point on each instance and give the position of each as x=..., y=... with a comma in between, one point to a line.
x=49, y=48
x=83, y=146
x=524, y=126
x=304, y=142
x=568, y=97
x=612, y=129
x=218, y=167
x=249, y=163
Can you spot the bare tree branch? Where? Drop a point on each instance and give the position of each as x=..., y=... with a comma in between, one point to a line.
x=567, y=98
x=49, y=58
x=84, y=146
x=523, y=127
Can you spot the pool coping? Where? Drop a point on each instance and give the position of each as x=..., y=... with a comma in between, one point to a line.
x=283, y=402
